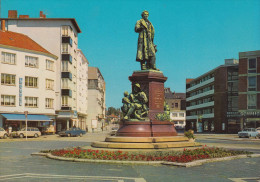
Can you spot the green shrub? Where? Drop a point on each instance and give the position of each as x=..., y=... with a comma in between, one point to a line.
x=189, y=134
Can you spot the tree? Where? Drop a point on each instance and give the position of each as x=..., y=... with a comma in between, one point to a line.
x=112, y=110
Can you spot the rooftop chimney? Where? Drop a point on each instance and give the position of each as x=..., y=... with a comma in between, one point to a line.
x=3, y=25
x=12, y=13
x=23, y=16
x=42, y=15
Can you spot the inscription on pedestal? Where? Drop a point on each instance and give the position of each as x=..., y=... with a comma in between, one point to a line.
x=158, y=99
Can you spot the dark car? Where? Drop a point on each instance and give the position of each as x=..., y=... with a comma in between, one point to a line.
x=72, y=132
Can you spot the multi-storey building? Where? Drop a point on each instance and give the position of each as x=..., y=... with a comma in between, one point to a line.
x=28, y=78
x=249, y=89
x=60, y=37
x=206, y=99
x=177, y=105
x=96, y=99
x=82, y=89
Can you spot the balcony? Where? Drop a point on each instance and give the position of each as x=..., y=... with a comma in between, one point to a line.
x=67, y=40
x=66, y=92
x=65, y=108
x=204, y=116
x=201, y=84
x=208, y=104
x=211, y=92
x=66, y=75
x=66, y=57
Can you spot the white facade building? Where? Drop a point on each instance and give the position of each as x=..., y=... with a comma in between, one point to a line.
x=96, y=99
x=59, y=36
x=28, y=77
x=82, y=89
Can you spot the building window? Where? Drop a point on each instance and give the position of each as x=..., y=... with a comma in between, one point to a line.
x=181, y=114
x=7, y=79
x=232, y=86
x=65, y=48
x=174, y=115
x=8, y=58
x=31, y=62
x=65, y=101
x=8, y=100
x=176, y=105
x=65, y=30
x=31, y=82
x=252, y=65
x=49, y=84
x=251, y=83
x=65, y=66
x=49, y=65
x=251, y=101
x=31, y=101
x=49, y=103
x=232, y=104
x=65, y=83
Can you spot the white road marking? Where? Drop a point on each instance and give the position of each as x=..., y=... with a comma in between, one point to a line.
x=33, y=175
x=244, y=179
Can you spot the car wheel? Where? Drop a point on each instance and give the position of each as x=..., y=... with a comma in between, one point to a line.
x=80, y=134
x=21, y=135
x=5, y=136
x=36, y=135
x=240, y=137
x=69, y=135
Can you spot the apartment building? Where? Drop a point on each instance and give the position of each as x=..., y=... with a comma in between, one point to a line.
x=60, y=37
x=82, y=89
x=177, y=105
x=207, y=97
x=28, y=77
x=249, y=89
x=96, y=99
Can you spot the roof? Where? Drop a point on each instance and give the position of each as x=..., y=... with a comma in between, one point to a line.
x=93, y=73
x=73, y=20
x=175, y=95
x=17, y=40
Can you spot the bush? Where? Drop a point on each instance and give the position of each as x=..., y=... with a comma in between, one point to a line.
x=163, y=116
x=189, y=134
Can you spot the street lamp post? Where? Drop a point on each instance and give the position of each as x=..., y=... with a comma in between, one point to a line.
x=26, y=113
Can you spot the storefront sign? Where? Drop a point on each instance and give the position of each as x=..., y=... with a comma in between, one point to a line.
x=20, y=91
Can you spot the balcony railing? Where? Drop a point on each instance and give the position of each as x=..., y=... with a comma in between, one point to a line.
x=208, y=104
x=201, y=84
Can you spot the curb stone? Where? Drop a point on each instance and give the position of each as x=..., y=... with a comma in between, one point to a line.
x=189, y=164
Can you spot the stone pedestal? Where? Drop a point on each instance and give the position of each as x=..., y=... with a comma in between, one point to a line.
x=152, y=83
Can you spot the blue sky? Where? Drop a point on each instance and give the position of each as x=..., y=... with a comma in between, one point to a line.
x=192, y=36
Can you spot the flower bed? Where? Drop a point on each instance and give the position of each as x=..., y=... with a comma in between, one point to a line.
x=187, y=155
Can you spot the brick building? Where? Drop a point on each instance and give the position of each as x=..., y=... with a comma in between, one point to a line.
x=249, y=89
x=211, y=97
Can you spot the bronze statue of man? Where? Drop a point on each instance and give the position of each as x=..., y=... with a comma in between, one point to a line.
x=145, y=48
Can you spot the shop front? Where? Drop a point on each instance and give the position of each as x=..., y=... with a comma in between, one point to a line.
x=18, y=121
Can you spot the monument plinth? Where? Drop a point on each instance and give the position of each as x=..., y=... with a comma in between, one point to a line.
x=152, y=84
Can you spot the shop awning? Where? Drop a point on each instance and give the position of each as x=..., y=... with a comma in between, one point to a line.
x=21, y=117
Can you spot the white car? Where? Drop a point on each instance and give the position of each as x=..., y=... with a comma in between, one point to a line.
x=31, y=132
x=3, y=133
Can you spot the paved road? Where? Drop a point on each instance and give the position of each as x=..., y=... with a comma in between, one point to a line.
x=18, y=165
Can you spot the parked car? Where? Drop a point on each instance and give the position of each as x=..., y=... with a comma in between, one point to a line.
x=258, y=136
x=248, y=132
x=72, y=132
x=31, y=132
x=48, y=130
x=3, y=133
